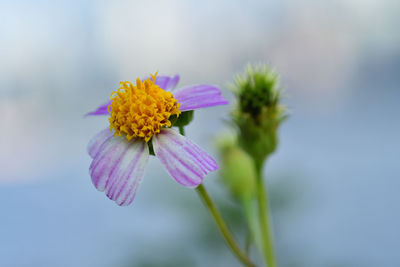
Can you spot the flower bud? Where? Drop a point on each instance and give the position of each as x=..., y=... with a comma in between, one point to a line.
x=237, y=170
x=258, y=113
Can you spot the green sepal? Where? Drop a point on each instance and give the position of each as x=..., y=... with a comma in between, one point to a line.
x=183, y=120
x=259, y=134
x=151, y=149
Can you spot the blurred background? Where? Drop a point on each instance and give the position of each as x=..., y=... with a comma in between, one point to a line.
x=333, y=182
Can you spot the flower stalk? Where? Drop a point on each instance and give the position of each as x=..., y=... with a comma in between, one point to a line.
x=265, y=220
x=223, y=227
x=203, y=194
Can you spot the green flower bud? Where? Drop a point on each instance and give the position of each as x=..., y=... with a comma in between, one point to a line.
x=237, y=170
x=258, y=113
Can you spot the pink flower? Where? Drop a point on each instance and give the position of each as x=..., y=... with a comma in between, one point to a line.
x=139, y=120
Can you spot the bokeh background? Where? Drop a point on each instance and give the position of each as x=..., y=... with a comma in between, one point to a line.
x=334, y=180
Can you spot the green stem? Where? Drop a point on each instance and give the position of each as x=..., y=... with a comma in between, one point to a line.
x=265, y=221
x=220, y=221
x=222, y=226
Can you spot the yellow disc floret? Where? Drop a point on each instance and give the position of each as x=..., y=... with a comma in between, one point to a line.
x=141, y=110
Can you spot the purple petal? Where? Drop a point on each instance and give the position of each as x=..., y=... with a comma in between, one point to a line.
x=199, y=96
x=98, y=140
x=184, y=160
x=167, y=83
x=118, y=168
x=102, y=110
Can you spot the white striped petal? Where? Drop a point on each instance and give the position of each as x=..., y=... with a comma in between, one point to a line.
x=118, y=168
x=101, y=110
x=98, y=140
x=199, y=96
x=167, y=83
x=184, y=160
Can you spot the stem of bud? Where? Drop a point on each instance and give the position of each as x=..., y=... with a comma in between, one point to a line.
x=265, y=220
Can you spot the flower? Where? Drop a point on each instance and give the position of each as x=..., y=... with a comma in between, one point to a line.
x=139, y=123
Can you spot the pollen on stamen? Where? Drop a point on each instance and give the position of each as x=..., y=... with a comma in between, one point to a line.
x=141, y=110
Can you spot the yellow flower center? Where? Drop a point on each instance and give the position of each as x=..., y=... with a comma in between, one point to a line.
x=141, y=110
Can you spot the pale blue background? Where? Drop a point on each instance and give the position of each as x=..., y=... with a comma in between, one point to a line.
x=334, y=181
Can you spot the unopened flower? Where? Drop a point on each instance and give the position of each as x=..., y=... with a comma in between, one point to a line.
x=258, y=113
x=140, y=121
x=237, y=170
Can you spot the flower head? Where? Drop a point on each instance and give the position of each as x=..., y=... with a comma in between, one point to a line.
x=141, y=110
x=140, y=117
